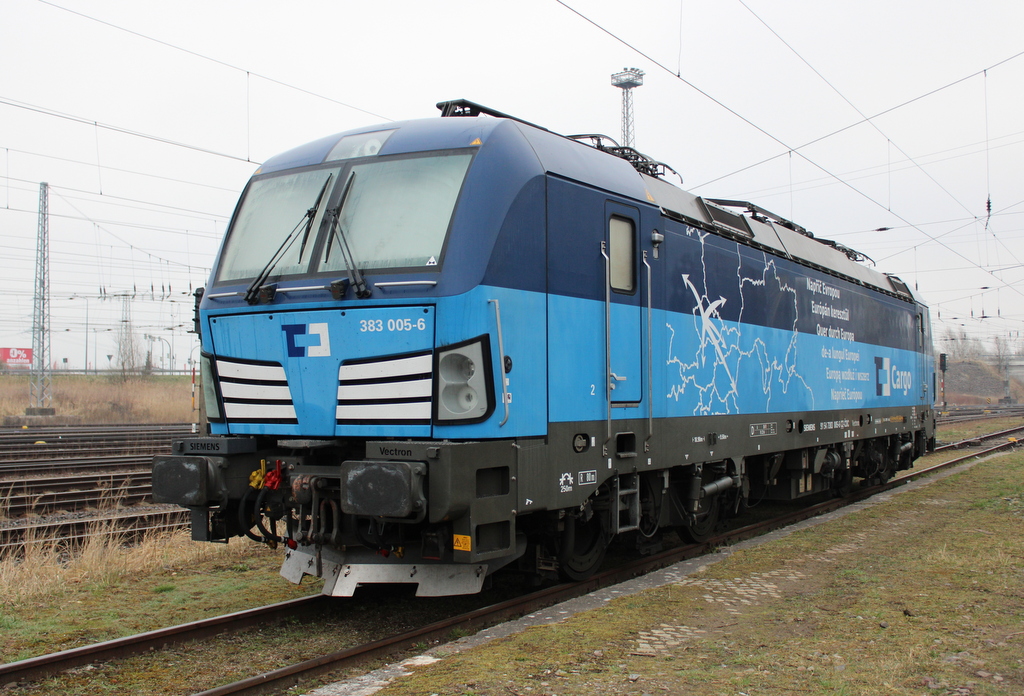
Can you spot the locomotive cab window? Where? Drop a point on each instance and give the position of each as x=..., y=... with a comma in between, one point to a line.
x=390, y=213
x=397, y=212
x=621, y=234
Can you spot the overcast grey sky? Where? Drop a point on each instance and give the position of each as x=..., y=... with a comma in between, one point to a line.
x=146, y=119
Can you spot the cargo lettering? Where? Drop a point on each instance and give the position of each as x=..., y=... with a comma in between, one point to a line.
x=889, y=378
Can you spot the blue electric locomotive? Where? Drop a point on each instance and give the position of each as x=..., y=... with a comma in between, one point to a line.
x=435, y=348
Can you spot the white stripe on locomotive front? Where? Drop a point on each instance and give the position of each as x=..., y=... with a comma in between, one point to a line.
x=382, y=369
x=384, y=412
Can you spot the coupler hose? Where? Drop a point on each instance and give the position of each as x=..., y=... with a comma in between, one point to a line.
x=245, y=521
x=268, y=536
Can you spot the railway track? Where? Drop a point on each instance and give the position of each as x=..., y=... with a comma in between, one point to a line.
x=57, y=464
x=979, y=440
x=965, y=415
x=75, y=466
x=67, y=484
x=124, y=480
x=84, y=433
x=126, y=525
x=20, y=446
x=73, y=493
x=280, y=680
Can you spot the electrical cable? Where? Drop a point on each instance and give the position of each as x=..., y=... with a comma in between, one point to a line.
x=124, y=241
x=857, y=123
x=860, y=113
x=134, y=172
x=118, y=129
x=212, y=60
x=198, y=214
x=796, y=150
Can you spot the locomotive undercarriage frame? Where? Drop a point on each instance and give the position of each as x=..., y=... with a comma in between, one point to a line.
x=447, y=514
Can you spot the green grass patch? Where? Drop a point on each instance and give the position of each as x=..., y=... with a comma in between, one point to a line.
x=132, y=590
x=955, y=432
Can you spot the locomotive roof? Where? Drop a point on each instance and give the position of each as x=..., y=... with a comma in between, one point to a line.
x=577, y=161
x=766, y=230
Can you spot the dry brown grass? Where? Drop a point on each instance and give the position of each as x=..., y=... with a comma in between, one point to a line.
x=48, y=569
x=106, y=399
x=6, y=493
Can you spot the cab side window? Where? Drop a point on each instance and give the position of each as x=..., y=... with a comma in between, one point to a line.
x=621, y=246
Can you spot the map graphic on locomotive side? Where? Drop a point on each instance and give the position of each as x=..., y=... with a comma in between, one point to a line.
x=791, y=342
x=717, y=396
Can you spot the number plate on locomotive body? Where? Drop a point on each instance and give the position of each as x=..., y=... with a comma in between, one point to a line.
x=763, y=429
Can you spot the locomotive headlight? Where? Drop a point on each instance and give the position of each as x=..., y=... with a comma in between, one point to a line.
x=463, y=383
x=459, y=400
x=457, y=367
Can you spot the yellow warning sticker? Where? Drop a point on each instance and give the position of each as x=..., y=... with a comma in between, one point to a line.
x=462, y=542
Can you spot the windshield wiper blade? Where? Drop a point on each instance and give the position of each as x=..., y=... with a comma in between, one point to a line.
x=355, y=276
x=252, y=293
x=311, y=215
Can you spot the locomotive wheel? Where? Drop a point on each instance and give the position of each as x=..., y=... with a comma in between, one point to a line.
x=842, y=484
x=704, y=527
x=887, y=471
x=581, y=548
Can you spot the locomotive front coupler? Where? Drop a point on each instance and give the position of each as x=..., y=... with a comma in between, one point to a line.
x=205, y=472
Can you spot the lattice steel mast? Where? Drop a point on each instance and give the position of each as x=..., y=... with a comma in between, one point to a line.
x=626, y=81
x=40, y=396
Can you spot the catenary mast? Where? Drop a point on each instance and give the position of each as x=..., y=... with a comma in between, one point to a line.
x=40, y=395
x=626, y=81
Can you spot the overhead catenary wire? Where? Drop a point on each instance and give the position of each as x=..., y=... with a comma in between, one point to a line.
x=212, y=60
x=96, y=125
x=122, y=240
x=796, y=150
x=134, y=172
x=120, y=227
x=893, y=167
x=120, y=201
x=988, y=167
x=847, y=127
x=118, y=129
x=869, y=121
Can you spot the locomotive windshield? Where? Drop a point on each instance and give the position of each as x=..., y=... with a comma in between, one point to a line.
x=395, y=214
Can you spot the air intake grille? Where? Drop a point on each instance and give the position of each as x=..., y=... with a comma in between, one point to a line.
x=384, y=391
x=255, y=392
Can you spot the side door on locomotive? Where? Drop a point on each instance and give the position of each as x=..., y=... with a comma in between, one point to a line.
x=624, y=320
x=598, y=352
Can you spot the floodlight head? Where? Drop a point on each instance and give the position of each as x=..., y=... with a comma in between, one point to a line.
x=628, y=78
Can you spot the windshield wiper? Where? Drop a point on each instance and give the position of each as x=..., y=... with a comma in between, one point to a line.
x=252, y=293
x=311, y=214
x=355, y=276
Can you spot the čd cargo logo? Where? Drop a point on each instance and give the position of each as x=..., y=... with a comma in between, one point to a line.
x=889, y=378
x=307, y=340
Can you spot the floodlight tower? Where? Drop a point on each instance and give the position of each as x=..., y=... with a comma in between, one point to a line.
x=40, y=390
x=626, y=81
